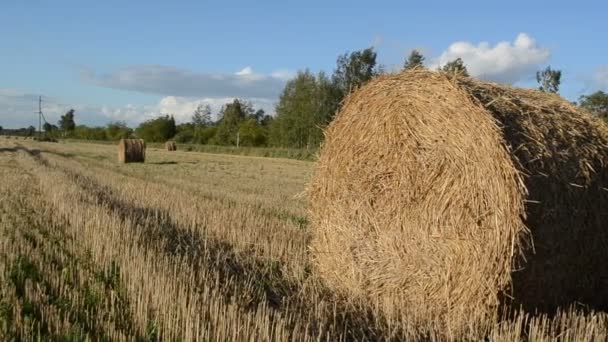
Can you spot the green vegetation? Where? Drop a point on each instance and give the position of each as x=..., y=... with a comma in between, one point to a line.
x=160, y=129
x=456, y=67
x=549, y=80
x=596, y=104
x=415, y=59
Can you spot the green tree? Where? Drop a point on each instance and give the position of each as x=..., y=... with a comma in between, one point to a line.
x=118, y=130
x=329, y=98
x=301, y=112
x=157, y=130
x=456, y=67
x=231, y=116
x=66, y=122
x=354, y=69
x=202, y=115
x=185, y=133
x=549, y=80
x=251, y=133
x=415, y=59
x=205, y=135
x=596, y=104
x=48, y=128
x=259, y=115
x=90, y=133
x=30, y=131
x=267, y=121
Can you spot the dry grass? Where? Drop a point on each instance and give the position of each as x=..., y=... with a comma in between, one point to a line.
x=184, y=247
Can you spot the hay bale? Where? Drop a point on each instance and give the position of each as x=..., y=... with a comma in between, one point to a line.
x=131, y=151
x=171, y=146
x=447, y=198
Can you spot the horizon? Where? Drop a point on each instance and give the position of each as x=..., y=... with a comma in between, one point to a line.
x=135, y=61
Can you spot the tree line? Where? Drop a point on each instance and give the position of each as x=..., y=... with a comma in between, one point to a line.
x=306, y=106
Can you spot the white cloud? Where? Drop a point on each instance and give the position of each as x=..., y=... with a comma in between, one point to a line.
x=600, y=77
x=183, y=107
x=17, y=109
x=283, y=74
x=170, y=81
x=129, y=113
x=245, y=71
x=181, y=91
x=180, y=107
x=505, y=62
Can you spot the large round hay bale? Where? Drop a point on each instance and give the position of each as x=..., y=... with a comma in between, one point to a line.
x=446, y=198
x=171, y=146
x=131, y=151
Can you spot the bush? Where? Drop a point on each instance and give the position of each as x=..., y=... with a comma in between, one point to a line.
x=157, y=130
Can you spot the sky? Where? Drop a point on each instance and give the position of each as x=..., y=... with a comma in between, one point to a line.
x=133, y=60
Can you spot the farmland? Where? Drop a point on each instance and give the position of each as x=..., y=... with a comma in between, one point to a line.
x=188, y=246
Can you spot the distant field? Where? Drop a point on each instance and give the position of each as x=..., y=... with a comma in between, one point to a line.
x=188, y=246
x=271, y=152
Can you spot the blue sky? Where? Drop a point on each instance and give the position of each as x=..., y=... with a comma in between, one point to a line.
x=130, y=60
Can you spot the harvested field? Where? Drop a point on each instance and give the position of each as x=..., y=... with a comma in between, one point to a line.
x=187, y=246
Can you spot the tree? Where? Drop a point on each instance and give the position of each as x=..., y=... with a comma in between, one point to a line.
x=66, y=122
x=329, y=97
x=118, y=130
x=202, y=116
x=157, y=130
x=48, y=128
x=456, y=67
x=232, y=114
x=596, y=104
x=267, y=120
x=549, y=80
x=90, y=133
x=354, y=69
x=415, y=59
x=259, y=115
x=251, y=133
x=30, y=131
x=301, y=112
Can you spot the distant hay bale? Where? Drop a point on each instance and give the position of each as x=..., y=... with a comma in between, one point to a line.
x=131, y=151
x=171, y=146
x=448, y=199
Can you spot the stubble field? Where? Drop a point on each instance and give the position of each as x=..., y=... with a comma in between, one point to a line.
x=188, y=246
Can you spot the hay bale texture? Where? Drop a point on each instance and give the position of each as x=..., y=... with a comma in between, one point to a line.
x=131, y=151
x=445, y=198
x=171, y=146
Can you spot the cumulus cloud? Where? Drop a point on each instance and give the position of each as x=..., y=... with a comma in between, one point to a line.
x=506, y=62
x=183, y=107
x=171, y=81
x=18, y=109
x=180, y=107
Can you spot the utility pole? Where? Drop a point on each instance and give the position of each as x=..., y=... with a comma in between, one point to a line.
x=237, y=139
x=39, y=117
